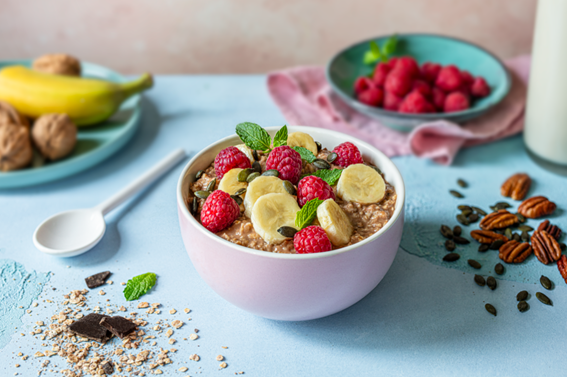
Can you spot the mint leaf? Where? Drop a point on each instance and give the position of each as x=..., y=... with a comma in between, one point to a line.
x=375, y=49
x=305, y=154
x=139, y=286
x=254, y=136
x=329, y=176
x=281, y=137
x=390, y=46
x=369, y=58
x=307, y=214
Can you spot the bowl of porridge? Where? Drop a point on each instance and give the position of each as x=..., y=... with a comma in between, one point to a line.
x=291, y=223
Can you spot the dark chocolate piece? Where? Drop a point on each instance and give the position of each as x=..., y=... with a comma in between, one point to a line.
x=118, y=325
x=108, y=368
x=89, y=327
x=97, y=280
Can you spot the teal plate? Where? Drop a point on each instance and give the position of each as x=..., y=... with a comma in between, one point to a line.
x=347, y=65
x=94, y=144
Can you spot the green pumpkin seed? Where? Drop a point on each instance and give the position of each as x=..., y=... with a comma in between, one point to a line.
x=544, y=299
x=255, y=155
x=479, y=280
x=457, y=230
x=456, y=194
x=508, y=233
x=516, y=237
x=450, y=245
x=491, y=282
x=252, y=177
x=321, y=164
x=479, y=211
x=237, y=199
x=446, y=231
x=483, y=247
x=271, y=173
x=451, y=257
x=332, y=157
x=563, y=246
x=376, y=168
x=240, y=192
x=211, y=185
x=525, y=228
x=520, y=217
x=256, y=167
x=522, y=296
x=523, y=306
x=502, y=205
x=199, y=174
x=499, y=269
x=195, y=205
x=289, y=187
x=463, y=207
x=287, y=231
x=491, y=309
x=462, y=183
x=494, y=208
x=545, y=282
x=474, y=264
x=473, y=218
x=495, y=245
x=243, y=175
x=525, y=236
x=319, y=146
x=202, y=194
x=462, y=219
x=466, y=212
x=460, y=240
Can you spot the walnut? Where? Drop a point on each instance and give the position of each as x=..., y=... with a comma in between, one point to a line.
x=10, y=115
x=54, y=135
x=15, y=147
x=58, y=64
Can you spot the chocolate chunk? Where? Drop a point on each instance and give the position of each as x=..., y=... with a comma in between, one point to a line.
x=118, y=325
x=97, y=280
x=89, y=327
x=108, y=368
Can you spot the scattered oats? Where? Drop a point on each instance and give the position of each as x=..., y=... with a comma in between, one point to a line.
x=156, y=305
x=109, y=311
x=158, y=371
x=119, y=351
x=79, y=315
x=225, y=347
x=101, y=292
x=19, y=354
x=173, y=350
x=122, y=309
x=177, y=323
x=96, y=309
x=40, y=323
x=22, y=334
x=157, y=328
x=34, y=304
x=25, y=357
x=18, y=365
x=122, y=283
x=186, y=310
x=169, y=333
x=220, y=358
x=154, y=343
x=183, y=369
x=172, y=311
x=223, y=365
x=28, y=311
x=158, y=311
x=109, y=282
x=142, y=305
x=39, y=354
x=194, y=357
x=172, y=341
x=193, y=336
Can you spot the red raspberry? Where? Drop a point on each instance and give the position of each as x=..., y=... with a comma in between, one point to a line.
x=230, y=158
x=362, y=83
x=449, y=78
x=467, y=78
x=219, y=211
x=372, y=97
x=312, y=239
x=392, y=102
x=312, y=187
x=409, y=66
x=380, y=73
x=392, y=62
x=438, y=98
x=398, y=82
x=480, y=88
x=347, y=154
x=422, y=87
x=286, y=161
x=415, y=103
x=430, y=71
x=456, y=101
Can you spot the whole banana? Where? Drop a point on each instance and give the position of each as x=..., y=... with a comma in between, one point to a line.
x=86, y=101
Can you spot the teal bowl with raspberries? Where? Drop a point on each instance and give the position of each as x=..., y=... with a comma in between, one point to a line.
x=348, y=65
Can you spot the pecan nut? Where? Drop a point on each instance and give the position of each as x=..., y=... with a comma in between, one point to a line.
x=553, y=230
x=536, y=206
x=562, y=266
x=487, y=236
x=498, y=220
x=517, y=186
x=546, y=248
x=514, y=251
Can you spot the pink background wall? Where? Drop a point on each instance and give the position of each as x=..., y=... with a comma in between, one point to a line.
x=242, y=36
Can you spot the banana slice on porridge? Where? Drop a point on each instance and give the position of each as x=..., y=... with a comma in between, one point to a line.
x=261, y=186
x=361, y=184
x=335, y=222
x=271, y=212
x=229, y=182
x=247, y=151
x=301, y=139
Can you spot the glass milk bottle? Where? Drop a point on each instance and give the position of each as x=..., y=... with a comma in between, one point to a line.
x=545, y=133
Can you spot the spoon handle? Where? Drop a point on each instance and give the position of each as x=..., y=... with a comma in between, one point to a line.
x=142, y=181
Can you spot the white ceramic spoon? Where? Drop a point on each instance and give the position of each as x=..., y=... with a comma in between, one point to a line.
x=71, y=233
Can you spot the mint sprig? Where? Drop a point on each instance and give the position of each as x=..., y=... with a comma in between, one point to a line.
x=281, y=137
x=139, y=286
x=307, y=214
x=329, y=176
x=257, y=138
x=305, y=154
x=375, y=53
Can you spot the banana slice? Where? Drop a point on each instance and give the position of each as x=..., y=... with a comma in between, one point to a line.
x=261, y=186
x=361, y=184
x=301, y=139
x=229, y=182
x=271, y=212
x=247, y=151
x=335, y=222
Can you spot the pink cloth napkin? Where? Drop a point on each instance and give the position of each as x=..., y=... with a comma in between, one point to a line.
x=305, y=98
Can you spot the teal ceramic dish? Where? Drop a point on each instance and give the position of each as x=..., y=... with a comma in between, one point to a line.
x=347, y=65
x=94, y=144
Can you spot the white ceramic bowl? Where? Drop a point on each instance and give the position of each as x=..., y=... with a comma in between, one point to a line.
x=291, y=287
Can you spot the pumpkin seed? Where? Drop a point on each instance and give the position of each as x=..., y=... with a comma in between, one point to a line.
x=525, y=236
x=376, y=168
x=240, y=192
x=495, y=245
x=544, y=299
x=474, y=264
x=257, y=167
x=466, y=212
x=457, y=230
x=479, y=211
x=271, y=173
x=255, y=155
x=462, y=219
x=451, y=257
x=195, y=205
x=562, y=246
x=491, y=309
x=289, y=187
x=252, y=177
x=332, y=157
x=319, y=146
x=522, y=296
x=462, y=183
x=545, y=282
x=321, y=164
x=508, y=233
x=460, y=240
x=499, y=269
x=446, y=231
x=211, y=185
x=243, y=175
x=479, y=280
x=287, y=231
x=494, y=208
x=473, y=218
x=237, y=199
x=525, y=228
x=491, y=282
x=199, y=174
x=520, y=217
x=456, y=194
x=483, y=247
x=202, y=194
x=463, y=207
x=523, y=306
x=502, y=205
x=450, y=245
x=516, y=237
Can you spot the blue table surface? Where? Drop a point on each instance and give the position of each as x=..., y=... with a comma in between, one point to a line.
x=423, y=319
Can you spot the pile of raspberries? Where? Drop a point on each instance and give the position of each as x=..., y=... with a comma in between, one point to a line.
x=401, y=85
